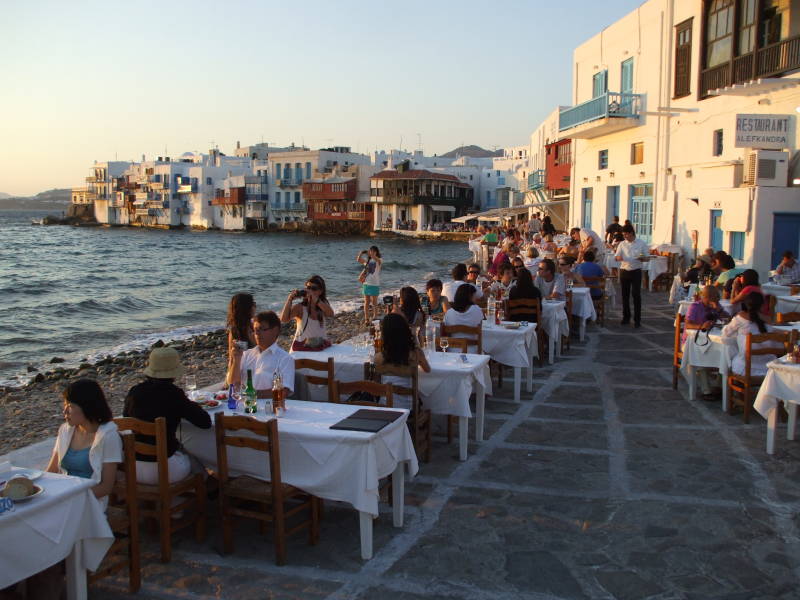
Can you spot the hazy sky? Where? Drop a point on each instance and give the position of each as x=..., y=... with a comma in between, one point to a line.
x=85, y=81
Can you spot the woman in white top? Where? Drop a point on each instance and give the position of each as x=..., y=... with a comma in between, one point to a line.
x=748, y=320
x=463, y=310
x=309, y=316
x=88, y=444
x=370, y=281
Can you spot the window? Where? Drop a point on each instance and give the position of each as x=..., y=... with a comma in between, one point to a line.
x=599, y=84
x=308, y=170
x=298, y=171
x=641, y=196
x=747, y=27
x=277, y=170
x=719, y=32
x=737, y=245
x=297, y=197
x=683, y=59
x=637, y=153
x=277, y=199
x=626, y=76
x=587, y=195
x=602, y=159
x=563, y=154
x=717, y=148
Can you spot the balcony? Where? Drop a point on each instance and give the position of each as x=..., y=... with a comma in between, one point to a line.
x=256, y=213
x=289, y=182
x=770, y=61
x=613, y=111
x=187, y=188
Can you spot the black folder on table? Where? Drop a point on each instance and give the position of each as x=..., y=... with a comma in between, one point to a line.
x=367, y=419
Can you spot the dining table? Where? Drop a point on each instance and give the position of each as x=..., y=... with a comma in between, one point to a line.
x=583, y=308
x=654, y=266
x=781, y=384
x=786, y=304
x=513, y=344
x=333, y=464
x=445, y=390
x=64, y=521
x=707, y=350
x=555, y=324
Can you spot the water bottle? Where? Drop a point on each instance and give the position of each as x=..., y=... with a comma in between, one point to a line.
x=430, y=335
x=491, y=308
x=231, y=398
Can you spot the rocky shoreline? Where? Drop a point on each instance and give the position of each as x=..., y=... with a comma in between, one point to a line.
x=32, y=413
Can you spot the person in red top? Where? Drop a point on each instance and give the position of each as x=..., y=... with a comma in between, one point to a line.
x=746, y=283
x=500, y=257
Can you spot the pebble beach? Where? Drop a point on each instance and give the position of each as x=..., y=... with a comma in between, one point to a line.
x=32, y=413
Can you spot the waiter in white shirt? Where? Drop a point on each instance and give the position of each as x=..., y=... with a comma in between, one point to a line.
x=630, y=274
x=266, y=358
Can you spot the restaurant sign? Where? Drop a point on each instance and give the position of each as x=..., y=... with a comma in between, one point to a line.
x=768, y=132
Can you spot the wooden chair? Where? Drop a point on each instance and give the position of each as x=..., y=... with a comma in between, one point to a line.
x=473, y=335
x=255, y=499
x=782, y=342
x=453, y=342
x=160, y=497
x=123, y=518
x=788, y=317
x=419, y=421
x=771, y=301
x=528, y=309
x=794, y=290
x=341, y=388
x=568, y=310
x=677, y=349
x=598, y=283
x=319, y=366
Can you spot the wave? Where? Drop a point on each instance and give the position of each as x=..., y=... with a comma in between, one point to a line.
x=395, y=265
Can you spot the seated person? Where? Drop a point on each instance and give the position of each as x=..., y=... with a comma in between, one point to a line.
x=589, y=268
x=518, y=265
x=531, y=260
x=474, y=276
x=88, y=444
x=565, y=267
x=572, y=247
x=748, y=320
x=241, y=309
x=504, y=281
x=524, y=289
x=158, y=396
x=400, y=348
x=463, y=310
x=789, y=270
x=550, y=284
x=700, y=269
x=704, y=312
x=265, y=359
x=459, y=275
x=410, y=307
x=437, y=303
x=746, y=283
x=309, y=316
x=548, y=247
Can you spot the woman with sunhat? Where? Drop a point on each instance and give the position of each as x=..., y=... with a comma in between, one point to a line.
x=158, y=396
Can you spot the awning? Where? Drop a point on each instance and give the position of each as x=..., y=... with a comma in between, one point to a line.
x=497, y=214
x=441, y=208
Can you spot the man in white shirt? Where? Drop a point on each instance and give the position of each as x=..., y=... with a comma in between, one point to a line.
x=504, y=282
x=459, y=274
x=549, y=283
x=630, y=274
x=266, y=358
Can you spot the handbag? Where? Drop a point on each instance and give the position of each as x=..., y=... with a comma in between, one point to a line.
x=363, y=276
x=698, y=339
x=362, y=396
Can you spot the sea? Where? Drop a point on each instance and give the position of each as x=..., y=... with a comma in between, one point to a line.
x=81, y=293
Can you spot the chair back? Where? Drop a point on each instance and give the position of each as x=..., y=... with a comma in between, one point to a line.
x=150, y=440
x=377, y=390
x=794, y=290
x=523, y=308
x=262, y=437
x=677, y=348
x=128, y=467
x=780, y=342
x=787, y=317
x=461, y=344
x=473, y=335
x=326, y=367
x=771, y=301
x=596, y=283
x=409, y=371
x=568, y=300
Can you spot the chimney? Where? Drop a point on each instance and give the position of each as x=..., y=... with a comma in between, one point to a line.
x=238, y=145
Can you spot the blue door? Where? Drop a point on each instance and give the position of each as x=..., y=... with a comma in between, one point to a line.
x=642, y=210
x=599, y=84
x=612, y=203
x=587, y=194
x=785, y=236
x=716, y=229
x=626, y=77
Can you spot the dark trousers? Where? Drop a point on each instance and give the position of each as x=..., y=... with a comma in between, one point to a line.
x=631, y=282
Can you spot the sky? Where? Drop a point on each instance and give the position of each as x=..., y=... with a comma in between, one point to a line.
x=105, y=80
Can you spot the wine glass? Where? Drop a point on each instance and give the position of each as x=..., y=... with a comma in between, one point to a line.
x=444, y=343
x=190, y=383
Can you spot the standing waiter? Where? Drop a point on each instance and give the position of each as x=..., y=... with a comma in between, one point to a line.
x=630, y=274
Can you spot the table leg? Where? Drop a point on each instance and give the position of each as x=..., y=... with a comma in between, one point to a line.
x=692, y=376
x=582, y=329
x=480, y=410
x=398, y=493
x=462, y=438
x=76, y=575
x=552, y=347
x=791, y=408
x=517, y=383
x=365, y=523
x=772, y=421
x=723, y=375
x=530, y=372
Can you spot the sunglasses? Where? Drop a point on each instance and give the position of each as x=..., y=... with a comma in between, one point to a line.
x=474, y=272
x=312, y=288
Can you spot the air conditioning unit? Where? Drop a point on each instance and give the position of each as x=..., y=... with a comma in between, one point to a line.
x=767, y=168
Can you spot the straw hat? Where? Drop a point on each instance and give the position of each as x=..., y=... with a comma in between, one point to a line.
x=164, y=363
x=704, y=258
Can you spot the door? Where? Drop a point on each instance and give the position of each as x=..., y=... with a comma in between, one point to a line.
x=599, y=84
x=612, y=203
x=642, y=210
x=785, y=236
x=587, y=196
x=626, y=76
x=716, y=229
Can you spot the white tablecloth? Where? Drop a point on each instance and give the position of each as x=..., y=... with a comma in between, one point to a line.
x=716, y=354
x=782, y=383
x=776, y=290
x=787, y=304
x=512, y=347
x=582, y=305
x=655, y=267
x=475, y=246
x=44, y=530
x=331, y=464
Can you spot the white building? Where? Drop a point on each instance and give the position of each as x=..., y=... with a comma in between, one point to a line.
x=667, y=113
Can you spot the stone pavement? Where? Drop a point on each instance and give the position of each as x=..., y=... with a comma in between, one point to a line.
x=605, y=483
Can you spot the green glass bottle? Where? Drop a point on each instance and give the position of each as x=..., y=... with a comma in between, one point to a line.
x=250, y=395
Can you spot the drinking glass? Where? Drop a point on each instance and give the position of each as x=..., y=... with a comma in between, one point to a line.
x=444, y=343
x=190, y=384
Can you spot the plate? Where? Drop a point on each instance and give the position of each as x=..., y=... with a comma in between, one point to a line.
x=210, y=404
x=32, y=474
x=38, y=491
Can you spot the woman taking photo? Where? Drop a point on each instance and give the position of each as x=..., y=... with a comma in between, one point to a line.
x=309, y=316
x=241, y=310
x=88, y=444
x=370, y=279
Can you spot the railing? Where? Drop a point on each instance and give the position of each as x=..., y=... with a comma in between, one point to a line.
x=771, y=60
x=290, y=182
x=187, y=188
x=256, y=214
x=610, y=104
x=536, y=180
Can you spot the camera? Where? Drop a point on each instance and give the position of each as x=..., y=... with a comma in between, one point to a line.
x=388, y=300
x=300, y=293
